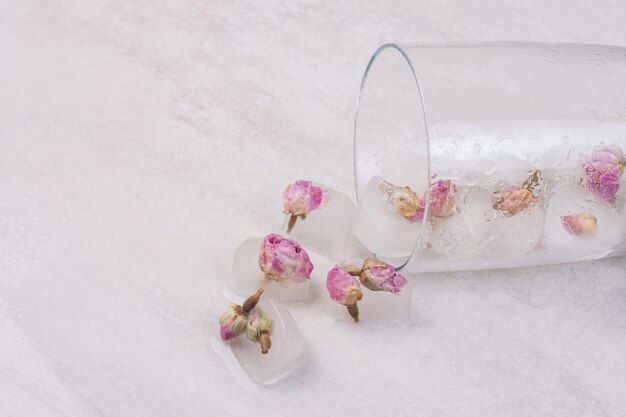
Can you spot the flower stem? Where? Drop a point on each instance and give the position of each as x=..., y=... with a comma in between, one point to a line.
x=353, y=309
x=292, y=223
x=532, y=181
x=252, y=301
x=266, y=342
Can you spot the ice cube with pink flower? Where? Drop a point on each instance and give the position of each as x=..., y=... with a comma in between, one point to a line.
x=320, y=218
x=279, y=265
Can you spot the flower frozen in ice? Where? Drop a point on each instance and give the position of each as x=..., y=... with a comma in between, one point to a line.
x=234, y=320
x=584, y=224
x=344, y=289
x=259, y=328
x=603, y=170
x=404, y=201
x=300, y=198
x=283, y=259
x=514, y=200
x=378, y=276
x=441, y=198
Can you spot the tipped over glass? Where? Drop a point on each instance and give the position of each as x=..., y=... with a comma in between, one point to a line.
x=475, y=156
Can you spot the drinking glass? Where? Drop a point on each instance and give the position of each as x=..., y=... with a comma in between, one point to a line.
x=527, y=138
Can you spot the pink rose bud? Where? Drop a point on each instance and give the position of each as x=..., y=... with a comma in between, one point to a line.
x=603, y=170
x=259, y=328
x=235, y=319
x=344, y=289
x=515, y=200
x=301, y=198
x=284, y=259
x=442, y=198
x=404, y=201
x=584, y=224
x=378, y=276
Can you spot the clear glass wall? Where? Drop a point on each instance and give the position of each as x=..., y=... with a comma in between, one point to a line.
x=524, y=140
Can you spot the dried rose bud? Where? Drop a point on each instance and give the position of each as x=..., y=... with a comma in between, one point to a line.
x=404, y=201
x=301, y=198
x=515, y=200
x=603, y=170
x=378, y=276
x=442, y=198
x=233, y=322
x=235, y=319
x=284, y=259
x=259, y=328
x=584, y=224
x=344, y=289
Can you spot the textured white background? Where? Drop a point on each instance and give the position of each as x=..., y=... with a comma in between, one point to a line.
x=140, y=142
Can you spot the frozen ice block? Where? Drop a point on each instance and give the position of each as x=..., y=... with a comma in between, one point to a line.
x=327, y=229
x=247, y=276
x=286, y=353
x=569, y=199
x=380, y=228
x=519, y=234
x=470, y=229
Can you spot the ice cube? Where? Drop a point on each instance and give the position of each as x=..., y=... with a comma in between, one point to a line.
x=518, y=234
x=570, y=198
x=327, y=229
x=247, y=276
x=380, y=228
x=244, y=357
x=468, y=231
x=355, y=249
x=477, y=229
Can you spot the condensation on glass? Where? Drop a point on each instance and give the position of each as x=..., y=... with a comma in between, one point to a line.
x=486, y=116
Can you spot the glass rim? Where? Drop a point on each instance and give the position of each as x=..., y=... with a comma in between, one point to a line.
x=420, y=100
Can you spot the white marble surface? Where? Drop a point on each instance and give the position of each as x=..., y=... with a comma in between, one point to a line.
x=141, y=142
